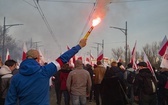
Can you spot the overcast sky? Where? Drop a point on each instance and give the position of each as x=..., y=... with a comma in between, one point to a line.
x=147, y=22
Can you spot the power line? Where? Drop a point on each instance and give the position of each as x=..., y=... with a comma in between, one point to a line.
x=89, y=17
x=67, y=1
x=93, y=2
x=46, y=22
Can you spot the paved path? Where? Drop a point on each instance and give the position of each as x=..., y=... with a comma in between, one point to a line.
x=53, y=99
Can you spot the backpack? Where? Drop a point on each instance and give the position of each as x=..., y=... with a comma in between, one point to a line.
x=131, y=77
x=149, y=85
x=166, y=87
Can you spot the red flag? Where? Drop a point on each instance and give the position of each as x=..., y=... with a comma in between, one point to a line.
x=24, y=52
x=133, y=57
x=100, y=56
x=7, y=55
x=163, y=46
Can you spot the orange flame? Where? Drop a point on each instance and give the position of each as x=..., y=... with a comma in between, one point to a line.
x=96, y=21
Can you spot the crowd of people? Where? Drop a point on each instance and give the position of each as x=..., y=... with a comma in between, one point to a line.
x=116, y=84
x=110, y=85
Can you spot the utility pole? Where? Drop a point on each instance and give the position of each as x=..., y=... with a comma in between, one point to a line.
x=5, y=27
x=101, y=44
x=125, y=32
x=96, y=49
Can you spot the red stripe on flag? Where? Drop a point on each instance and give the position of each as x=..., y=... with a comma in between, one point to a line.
x=23, y=56
x=100, y=56
x=163, y=46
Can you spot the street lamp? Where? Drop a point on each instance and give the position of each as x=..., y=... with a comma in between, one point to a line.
x=125, y=32
x=5, y=27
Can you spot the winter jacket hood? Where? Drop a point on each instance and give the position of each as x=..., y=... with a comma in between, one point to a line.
x=29, y=67
x=5, y=70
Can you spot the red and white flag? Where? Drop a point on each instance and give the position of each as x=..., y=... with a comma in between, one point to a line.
x=7, y=55
x=163, y=46
x=133, y=58
x=148, y=63
x=100, y=56
x=164, y=63
x=87, y=61
x=91, y=56
x=24, y=51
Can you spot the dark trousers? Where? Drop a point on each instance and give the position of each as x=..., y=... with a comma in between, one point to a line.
x=98, y=96
x=66, y=96
x=2, y=101
x=57, y=91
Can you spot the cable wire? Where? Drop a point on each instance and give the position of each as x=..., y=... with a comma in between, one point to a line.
x=46, y=23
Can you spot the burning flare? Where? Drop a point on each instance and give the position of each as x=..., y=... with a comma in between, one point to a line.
x=94, y=23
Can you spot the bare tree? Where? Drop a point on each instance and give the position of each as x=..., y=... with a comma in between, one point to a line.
x=152, y=53
x=117, y=53
x=10, y=44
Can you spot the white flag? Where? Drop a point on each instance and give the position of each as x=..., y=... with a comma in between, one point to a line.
x=7, y=55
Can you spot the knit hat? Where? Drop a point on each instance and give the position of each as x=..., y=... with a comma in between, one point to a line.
x=142, y=64
x=32, y=54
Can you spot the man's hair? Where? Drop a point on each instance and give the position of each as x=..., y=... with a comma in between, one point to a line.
x=10, y=62
x=143, y=64
x=78, y=63
x=32, y=53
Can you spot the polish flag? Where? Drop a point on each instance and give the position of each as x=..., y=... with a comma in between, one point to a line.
x=163, y=46
x=87, y=61
x=91, y=59
x=133, y=58
x=100, y=56
x=24, y=51
x=164, y=63
x=148, y=63
x=91, y=56
x=7, y=55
